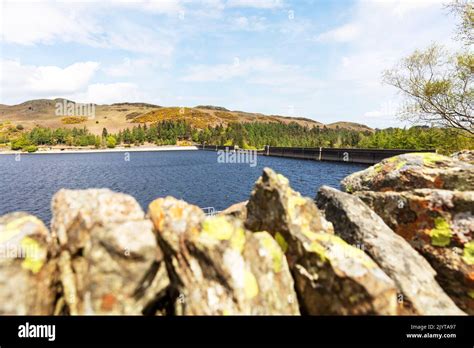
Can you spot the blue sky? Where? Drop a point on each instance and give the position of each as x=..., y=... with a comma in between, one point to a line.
x=319, y=59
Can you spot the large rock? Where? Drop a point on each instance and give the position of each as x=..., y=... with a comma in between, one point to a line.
x=109, y=261
x=464, y=155
x=440, y=225
x=274, y=206
x=217, y=267
x=27, y=275
x=331, y=277
x=411, y=171
x=414, y=277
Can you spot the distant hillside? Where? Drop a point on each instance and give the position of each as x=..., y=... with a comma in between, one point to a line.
x=119, y=116
x=212, y=107
x=350, y=125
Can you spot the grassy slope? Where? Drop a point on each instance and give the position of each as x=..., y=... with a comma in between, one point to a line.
x=122, y=115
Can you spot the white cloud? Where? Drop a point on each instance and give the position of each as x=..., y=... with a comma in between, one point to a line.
x=374, y=114
x=107, y=93
x=263, y=4
x=50, y=22
x=22, y=82
x=25, y=82
x=51, y=79
x=153, y=6
x=220, y=72
x=55, y=22
x=391, y=22
x=135, y=38
x=252, y=23
x=129, y=67
x=238, y=68
x=283, y=78
x=347, y=32
x=402, y=7
x=30, y=23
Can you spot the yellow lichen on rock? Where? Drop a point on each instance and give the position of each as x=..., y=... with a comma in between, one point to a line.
x=221, y=267
x=281, y=242
x=275, y=251
x=430, y=159
x=217, y=227
x=340, y=248
x=468, y=253
x=319, y=250
x=309, y=234
x=441, y=233
x=237, y=240
x=401, y=164
x=35, y=254
x=250, y=285
x=27, y=271
x=294, y=202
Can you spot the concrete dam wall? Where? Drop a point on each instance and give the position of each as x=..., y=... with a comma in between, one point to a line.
x=350, y=155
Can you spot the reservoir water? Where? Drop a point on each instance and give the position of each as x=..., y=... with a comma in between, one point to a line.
x=195, y=176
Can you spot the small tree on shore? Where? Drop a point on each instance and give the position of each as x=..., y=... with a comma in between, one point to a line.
x=438, y=85
x=97, y=142
x=111, y=142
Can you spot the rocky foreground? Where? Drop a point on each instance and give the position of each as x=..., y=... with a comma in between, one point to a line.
x=397, y=241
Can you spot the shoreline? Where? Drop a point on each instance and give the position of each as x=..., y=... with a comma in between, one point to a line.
x=117, y=149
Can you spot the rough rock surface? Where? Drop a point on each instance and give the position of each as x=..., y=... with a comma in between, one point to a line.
x=238, y=210
x=331, y=277
x=27, y=277
x=415, y=278
x=109, y=260
x=278, y=253
x=411, y=171
x=274, y=206
x=464, y=155
x=217, y=267
x=440, y=225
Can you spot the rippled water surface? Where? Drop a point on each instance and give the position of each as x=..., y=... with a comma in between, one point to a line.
x=195, y=176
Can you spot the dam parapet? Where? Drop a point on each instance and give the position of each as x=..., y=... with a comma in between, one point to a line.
x=350, y=155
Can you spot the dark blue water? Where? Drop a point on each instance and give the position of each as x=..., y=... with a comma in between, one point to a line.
x=195, y=176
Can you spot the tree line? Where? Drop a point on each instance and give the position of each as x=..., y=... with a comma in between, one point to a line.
x=245, y=135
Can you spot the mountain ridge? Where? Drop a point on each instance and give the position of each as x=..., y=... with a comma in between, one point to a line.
x=118, y=116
